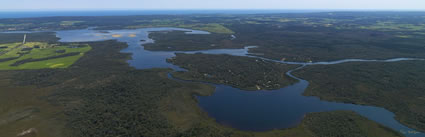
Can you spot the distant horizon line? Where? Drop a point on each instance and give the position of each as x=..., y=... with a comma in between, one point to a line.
x=70, y=10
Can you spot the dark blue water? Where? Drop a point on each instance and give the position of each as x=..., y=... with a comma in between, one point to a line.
x=27, y=14
x=245, y=110
x=282, y=108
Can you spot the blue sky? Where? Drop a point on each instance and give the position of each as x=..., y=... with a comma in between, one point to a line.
x=210, y=4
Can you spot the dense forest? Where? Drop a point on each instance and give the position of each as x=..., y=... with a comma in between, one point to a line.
x=179, y=41
x=397, y=86
x=241, y=72
x=49, y=37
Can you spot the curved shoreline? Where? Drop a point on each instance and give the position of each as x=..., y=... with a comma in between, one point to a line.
x=143, y=59
x=388, y=119
x=370, y=112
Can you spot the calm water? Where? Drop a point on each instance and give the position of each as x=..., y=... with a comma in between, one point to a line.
x=282, y=108
x=245, y=110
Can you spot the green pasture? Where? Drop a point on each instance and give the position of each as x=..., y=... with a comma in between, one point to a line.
x=42, y=52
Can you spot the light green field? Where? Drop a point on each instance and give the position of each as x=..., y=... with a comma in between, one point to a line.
x=11, y=50
x=44, y=51
x=420, y=33
x=5, y=47
x=391, y=26
x=69, y=23
x=211, y=27
x=403, y=36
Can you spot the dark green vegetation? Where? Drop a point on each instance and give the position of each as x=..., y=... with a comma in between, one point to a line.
x=173, y=41
x=241, y=72
x=210, y=27
x=331, y=36
x=48, y=37
x=349, y=125
x=316, y=36
x=292, y=36
x=100, y=95
x=113, y=22
x=397, y=86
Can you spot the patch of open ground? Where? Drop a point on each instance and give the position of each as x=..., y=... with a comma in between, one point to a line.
x=39, y=55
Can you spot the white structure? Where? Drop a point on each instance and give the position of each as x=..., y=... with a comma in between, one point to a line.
x=25, y=37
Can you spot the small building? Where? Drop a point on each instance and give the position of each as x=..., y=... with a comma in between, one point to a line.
x=25, y=37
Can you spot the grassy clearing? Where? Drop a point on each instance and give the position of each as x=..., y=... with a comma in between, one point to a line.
x=69, y=23
x=403, y=36
x=41, y=51
x=211, y=27
x=6, y=47
x=392, y=26
x=420, y=33
x=9, y=50
x=51, y=63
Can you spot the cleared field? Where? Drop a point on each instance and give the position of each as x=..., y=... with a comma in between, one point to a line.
x=394, y=26
x=38, y=55
x=69, y=23
x=6, y=47
x=211, y=27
